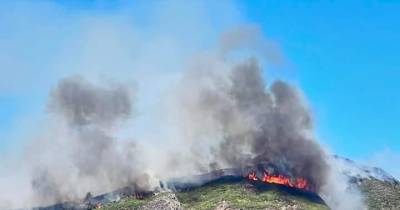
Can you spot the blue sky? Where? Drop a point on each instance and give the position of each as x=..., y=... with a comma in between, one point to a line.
x=344, y=55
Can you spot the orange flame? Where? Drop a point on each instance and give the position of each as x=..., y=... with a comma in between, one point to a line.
x=252, y=176
x=299, y=183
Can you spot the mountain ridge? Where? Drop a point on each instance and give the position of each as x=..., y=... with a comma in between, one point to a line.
x=380, y=190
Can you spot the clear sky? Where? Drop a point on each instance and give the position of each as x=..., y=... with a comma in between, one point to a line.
x=345, y=56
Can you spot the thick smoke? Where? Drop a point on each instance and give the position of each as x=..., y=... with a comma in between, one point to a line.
x=91, y=113
x=255, y=123
x=230, y=117
x=223, y=114
x=83, y=104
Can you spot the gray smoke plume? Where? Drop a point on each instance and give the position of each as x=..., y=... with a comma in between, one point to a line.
x=82, y=104
x=223, y=114
x=91, y=113
x=254, y=123
x=250, y=37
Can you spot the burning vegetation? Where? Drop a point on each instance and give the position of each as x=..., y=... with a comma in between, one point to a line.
x=298, y=182
x=254, y=124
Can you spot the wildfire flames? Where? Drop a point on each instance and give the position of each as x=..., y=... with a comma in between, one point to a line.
x=299, y=183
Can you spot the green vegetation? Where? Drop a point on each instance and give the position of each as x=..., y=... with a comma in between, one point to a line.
x=242, y=196
x=239, y=195
x=126, y=203
x=380, y=195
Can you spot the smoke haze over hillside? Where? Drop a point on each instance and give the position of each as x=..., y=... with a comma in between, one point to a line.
x=173, y=108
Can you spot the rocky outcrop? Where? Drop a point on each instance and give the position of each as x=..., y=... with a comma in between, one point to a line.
x=165, y=201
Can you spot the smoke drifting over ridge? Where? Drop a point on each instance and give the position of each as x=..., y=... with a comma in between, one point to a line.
x=225, y=115
x=91, y=114
x=254, y=123
x=230, y=117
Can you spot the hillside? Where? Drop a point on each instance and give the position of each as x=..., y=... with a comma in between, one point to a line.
x=226, y=195
x=380, y=195
x=380, y=190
